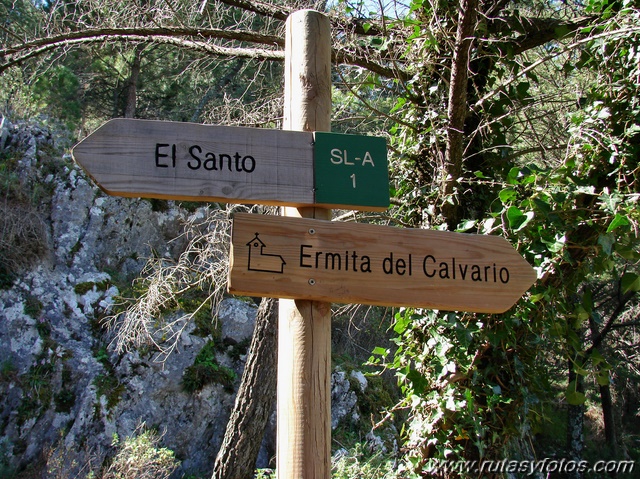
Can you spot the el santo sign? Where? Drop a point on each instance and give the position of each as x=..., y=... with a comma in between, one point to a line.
x=194, y=162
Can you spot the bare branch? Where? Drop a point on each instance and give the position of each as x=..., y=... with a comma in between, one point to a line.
x=183, y=37
x=202, y=266
x=260, y=8
x=349, y=58
x=621, y=32
x=535, y=31
x=353, y=25
x=150, y=33
x=203, y=47
x=618, y=310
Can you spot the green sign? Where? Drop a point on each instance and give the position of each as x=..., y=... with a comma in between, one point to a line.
x=351, y=170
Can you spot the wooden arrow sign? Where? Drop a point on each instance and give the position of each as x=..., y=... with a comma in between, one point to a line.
x=371, y=264
x=194, y=162
x=188, y=161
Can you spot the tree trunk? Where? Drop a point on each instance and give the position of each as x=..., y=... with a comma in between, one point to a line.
x=607, y=405
x=575, y=424
x=609, y=420
x=451, y=171
x=254, y=403
x=132, y=87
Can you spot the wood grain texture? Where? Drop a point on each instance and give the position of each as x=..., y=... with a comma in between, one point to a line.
x=379, y=265
x=172, y=160
x=304, y=327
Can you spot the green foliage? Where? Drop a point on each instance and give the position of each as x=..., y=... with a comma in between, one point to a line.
x=141, y=457
x=464, y=381
x=237, y=350
x=206, y=370
x=197, y=301
x=473, y=383
x=58, y=91
x=107, y=384
x=265, y=474
x=37, y=390
x=8, y=370
x=84, y=288
x=362, y=463
x=33, y=307
x=110, y=387
x=65, y=398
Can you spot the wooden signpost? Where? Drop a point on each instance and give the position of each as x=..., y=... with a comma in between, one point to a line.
x=303, y=449
x=302, y=255
x=371, y=264
x=193, y=162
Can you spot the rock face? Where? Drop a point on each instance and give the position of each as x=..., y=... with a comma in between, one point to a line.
x=64, y=393
x=344, y=402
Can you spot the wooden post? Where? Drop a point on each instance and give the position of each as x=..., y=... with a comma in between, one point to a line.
x=304, y=327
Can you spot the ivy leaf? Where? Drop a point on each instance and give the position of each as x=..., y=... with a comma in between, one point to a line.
x=518, y=219
x=522, y=89
x=507, y=195
x=628, y=252
x=574, y=397
x=402, y=321
x=514, y=175
x=603, y=378
x=561, y=31
x=582, y=314
x=466, y=225
x=418, y=382
x=380, y=351
x=597, y=358
x=607, y=243
x=515, y=216
x=536, y=297
x=399, y=104
x=487, y=226
x=581, y=371
x=604, y=114
x=554, y=244
x=618, y=220
x=543, y=206
x=451, y=404
x=630, y=282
